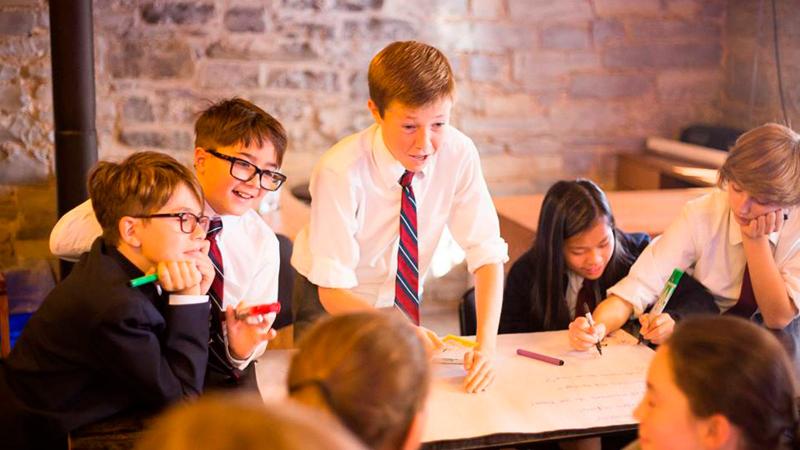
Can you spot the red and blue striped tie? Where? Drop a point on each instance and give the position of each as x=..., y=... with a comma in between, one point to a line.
x=406, y=288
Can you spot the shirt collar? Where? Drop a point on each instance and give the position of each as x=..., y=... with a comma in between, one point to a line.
x=389, y=169
x=735, y=232
x=227, y=220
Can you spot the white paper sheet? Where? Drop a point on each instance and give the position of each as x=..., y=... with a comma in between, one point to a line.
x=528, y=396
x=531, y=396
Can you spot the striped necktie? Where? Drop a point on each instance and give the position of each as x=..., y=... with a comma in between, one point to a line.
x=406, y=289
x=217, y=354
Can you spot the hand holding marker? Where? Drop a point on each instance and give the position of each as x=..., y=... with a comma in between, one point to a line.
x=591, y=324
x=257, y=310
x=664, y=297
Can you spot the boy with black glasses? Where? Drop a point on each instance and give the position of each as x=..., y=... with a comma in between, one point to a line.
x=97, y=346
x=238, y=151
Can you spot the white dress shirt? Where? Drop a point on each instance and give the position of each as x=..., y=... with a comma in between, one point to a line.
x=574, y=285
x=352, y=239
x=249, y=249
x=706, y=241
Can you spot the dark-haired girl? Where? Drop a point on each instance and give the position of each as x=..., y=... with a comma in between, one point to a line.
x=578, y=252
x=706, y=390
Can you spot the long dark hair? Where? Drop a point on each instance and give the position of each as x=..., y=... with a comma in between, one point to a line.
x=569, y=208
x=729, y=366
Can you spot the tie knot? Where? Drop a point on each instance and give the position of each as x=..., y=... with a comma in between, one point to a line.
x=405, y=180
x=214, y=227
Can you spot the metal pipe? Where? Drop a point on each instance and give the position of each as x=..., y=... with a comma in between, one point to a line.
x=72, y=55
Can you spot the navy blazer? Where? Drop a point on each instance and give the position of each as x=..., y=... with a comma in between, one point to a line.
x=517, y=300
x=98, y=347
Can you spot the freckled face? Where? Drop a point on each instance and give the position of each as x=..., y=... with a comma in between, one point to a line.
x=413, y=135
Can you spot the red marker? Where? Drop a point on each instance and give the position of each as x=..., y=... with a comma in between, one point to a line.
x=259, y=310
x=540, y=357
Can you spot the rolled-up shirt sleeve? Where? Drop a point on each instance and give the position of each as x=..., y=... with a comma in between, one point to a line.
x=676, y=248
x=75, y=232
x=334, y=250
x=790, y=271
x=473, y=219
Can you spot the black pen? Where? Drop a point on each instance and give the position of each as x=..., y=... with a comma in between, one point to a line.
x=591, y=324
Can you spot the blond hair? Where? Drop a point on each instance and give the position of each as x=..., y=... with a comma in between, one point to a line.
x=139, y=185
x=369, y=369
x=410, y=72
x=765, y=163
x=240, y=423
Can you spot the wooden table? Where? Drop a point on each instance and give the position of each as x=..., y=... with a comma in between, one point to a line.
x=530, y=401
x=648, y=211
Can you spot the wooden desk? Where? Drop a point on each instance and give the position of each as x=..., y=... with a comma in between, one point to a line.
x=530, y=401
x=652, y=171
x=649, y=211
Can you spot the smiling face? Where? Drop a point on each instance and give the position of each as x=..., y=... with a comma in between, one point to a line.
x=161, y=239
x=413, y=135
x=746, y=208
x=588, y=253
x=224, y=193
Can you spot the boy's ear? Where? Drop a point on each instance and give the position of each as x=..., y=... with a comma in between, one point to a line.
x=129, y=231
x=200, y=157
x=376, y=114
x=717, y=431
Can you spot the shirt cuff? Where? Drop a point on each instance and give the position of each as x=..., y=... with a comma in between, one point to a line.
x=241, y=364
x=491, y=252
x=330, y=273
x=178, y=300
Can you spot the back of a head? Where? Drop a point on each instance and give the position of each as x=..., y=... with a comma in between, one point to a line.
x=410, y=72
x=369, y=369
x=239, y=423
x=237, y=121
x=730, y=366
x=140, y=184
x=765, y=162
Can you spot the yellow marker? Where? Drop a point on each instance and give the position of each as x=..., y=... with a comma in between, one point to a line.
x=469, y=343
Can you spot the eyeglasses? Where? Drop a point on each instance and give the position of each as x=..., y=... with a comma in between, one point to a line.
x=188, y=220
x=245, y=171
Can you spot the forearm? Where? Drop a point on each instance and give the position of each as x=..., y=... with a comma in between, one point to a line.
x=341, y=301
x=769, y=287
x=488, y=303
x=612, y=312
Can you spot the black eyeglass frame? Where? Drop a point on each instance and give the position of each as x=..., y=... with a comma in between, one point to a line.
x=277, y=178
x=203, y=221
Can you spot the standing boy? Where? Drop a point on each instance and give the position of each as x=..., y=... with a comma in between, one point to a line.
x=382, y=198
x=238, y=151
x=98, y=346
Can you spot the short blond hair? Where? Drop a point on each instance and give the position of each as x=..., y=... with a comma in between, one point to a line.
x=139, y=185
x=765, y=163
x=410, y=72
x=369, y=369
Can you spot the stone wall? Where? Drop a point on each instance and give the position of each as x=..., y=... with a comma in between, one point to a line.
x=547, y=88
x=752, y=99
x=27, y=188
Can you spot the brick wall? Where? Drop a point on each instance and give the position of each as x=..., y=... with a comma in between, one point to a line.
x=547, y=88
x=750, y=100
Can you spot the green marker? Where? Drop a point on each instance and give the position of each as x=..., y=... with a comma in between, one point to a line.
x=136, y=282
x=665, y=295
